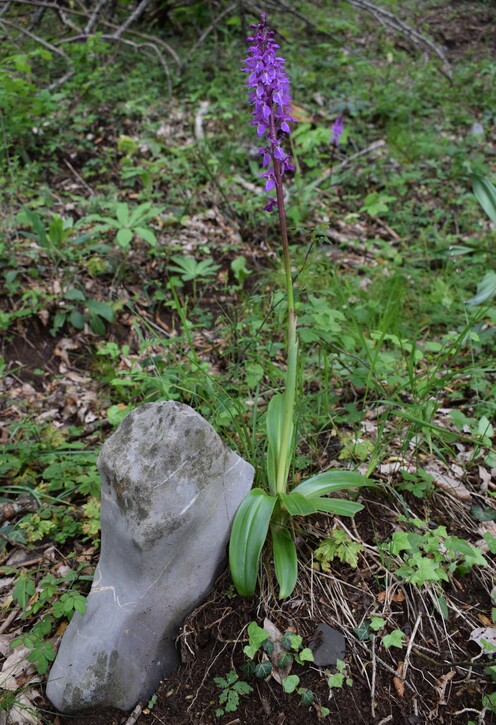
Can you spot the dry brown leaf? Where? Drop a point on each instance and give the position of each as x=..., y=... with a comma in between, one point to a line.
x=449, y=484
x=485, y=620
x=64, y=346
x=398, y=598
x=485, y=477
x=441, y=684
x=275, y=637
x=398, y=683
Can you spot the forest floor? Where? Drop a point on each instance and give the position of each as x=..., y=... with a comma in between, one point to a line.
x=418, y=640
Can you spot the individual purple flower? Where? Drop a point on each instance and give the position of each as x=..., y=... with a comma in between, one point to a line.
x=271, y=102
x=336, y=130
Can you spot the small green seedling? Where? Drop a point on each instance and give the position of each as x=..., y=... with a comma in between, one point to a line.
x=231, y=688
x=276, y=656
x=341, y=677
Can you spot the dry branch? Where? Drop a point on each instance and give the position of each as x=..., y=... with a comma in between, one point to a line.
x=387, y=18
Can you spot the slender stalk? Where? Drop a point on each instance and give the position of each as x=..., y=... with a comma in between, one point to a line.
x=284, y=234
x=292, y=345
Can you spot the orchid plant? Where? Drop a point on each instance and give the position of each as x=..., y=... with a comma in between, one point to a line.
x=262, y=512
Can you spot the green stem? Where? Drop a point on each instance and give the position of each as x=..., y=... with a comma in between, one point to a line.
x=284, y=235
x=285, y=453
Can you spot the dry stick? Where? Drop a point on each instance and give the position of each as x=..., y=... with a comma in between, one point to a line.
x=373, y=147
x=278, y=4
x=394, y=22
x=37, y=18
x=374, y=672
x=211, y=27
x=61, y=81
x=6, y=624
x=79, y=177
x=61, y=12
x=106, y=23
x=36, y=38
x=133, y=717
x=132, y=18
x=88, y=28
x=406, y=661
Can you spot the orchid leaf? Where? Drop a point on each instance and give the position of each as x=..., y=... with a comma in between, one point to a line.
x=486, y=289
x=275, y=427
x=337, y=506
x=296, y=504
x=485, y=193
x=331, y=481
x=285, y=559
x=248, y=535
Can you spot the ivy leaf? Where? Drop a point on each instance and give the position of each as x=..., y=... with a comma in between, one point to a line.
x=290, y=683
x=395, y=639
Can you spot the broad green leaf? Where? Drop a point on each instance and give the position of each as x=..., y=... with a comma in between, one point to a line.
x=297, y=505
x=102, y=309
x=248, y=535
x=256, y=637
x=74, y=294
x=37, y=226
x=485, y=193
x=481, y=514
x=148, y=236
x=290, y=683
x=337, y=506
x=307, y=698
x=24, y=589
x=377, y=623
x=486, y=289
x=285, y=559
x=395, y=639
x=56, y=231
x=140, y=213
x=263, y=669
x=331, y=481
x=76, y=319
x=124, y=237
x=306, y=655
x=122, y=214
x=21, y=63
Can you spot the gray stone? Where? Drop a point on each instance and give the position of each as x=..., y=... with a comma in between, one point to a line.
x=328, y=645
x=170, y=489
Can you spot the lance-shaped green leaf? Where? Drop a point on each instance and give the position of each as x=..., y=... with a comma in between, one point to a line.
x=285, y=559
x=337, y=506
x=248, y=535
x=485, y=193
x=296, y=504
x=486, y=289
x=331, y=481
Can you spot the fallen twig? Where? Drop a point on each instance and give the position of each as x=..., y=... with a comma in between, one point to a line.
x=387, y=18
x=373, y=147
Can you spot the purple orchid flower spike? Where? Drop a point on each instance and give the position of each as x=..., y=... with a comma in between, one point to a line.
x=271, y=101
x=337, y=130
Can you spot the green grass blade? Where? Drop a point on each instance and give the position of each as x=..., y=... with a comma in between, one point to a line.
x=285, y=559
x=331, y=481
x=248, y=535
